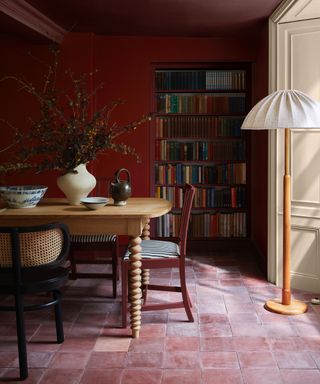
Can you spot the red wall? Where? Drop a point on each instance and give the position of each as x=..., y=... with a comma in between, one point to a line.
x=124, y=66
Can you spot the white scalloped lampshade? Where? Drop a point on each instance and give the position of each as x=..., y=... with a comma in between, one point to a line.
x=284, y=109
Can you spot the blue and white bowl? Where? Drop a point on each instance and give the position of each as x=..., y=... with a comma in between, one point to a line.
x=22, y=196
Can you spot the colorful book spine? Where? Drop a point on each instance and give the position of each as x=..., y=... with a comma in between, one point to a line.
x=200, y=151
x=206, y=197
x=200, y=79
x=225, y=173
x=198, y=126
x=210, y=103
x=204, y=224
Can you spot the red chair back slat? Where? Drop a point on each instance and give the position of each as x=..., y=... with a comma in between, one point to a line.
x=189, y=192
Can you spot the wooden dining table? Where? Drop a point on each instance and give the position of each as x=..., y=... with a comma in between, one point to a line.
x=131, y=219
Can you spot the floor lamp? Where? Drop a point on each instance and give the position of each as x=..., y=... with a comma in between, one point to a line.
x=285, y=110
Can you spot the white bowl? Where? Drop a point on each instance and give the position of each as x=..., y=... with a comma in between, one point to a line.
x=94, y=202
x=22, y=196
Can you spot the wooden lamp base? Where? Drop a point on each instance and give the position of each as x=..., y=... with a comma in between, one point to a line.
x=295, y=308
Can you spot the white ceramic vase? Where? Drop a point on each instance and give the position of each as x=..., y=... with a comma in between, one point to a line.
x=77, y=185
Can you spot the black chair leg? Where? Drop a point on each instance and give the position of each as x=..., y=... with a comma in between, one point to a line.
x=124, y=282
x=58, y=317
x=73, y=265
x=22, y=347
x=114, y=270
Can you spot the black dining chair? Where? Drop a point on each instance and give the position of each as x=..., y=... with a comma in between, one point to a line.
x=102, y=249
x=32, y=262
x=163, y=254
x=91, y=249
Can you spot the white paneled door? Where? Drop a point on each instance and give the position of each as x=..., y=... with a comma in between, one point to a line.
x=297, y=66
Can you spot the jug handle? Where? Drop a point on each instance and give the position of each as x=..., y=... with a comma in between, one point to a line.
x=117, y=175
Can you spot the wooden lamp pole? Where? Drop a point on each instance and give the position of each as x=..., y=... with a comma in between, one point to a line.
x=286, y=306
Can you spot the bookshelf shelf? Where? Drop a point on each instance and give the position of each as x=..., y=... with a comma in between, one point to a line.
x=196, y=139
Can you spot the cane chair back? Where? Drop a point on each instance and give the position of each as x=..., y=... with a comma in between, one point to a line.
x=36, y=248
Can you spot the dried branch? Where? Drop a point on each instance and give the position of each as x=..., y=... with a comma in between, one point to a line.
x=67, y=133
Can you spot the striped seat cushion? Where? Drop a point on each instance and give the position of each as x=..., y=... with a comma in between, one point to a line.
x=100, y=238
x=157, y=249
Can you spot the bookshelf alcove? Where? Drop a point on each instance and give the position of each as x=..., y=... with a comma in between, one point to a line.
x=196, y=138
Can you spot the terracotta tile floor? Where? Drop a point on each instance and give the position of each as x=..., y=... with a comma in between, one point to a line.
x=233, y=340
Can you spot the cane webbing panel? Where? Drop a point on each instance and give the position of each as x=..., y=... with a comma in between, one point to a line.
x=36, y=248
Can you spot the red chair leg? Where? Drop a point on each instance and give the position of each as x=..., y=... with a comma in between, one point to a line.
x=185, y=295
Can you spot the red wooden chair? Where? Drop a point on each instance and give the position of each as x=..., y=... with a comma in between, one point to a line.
x=163, y=254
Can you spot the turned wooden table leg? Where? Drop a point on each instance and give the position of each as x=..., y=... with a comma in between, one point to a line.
x=135, y=286
x=145, y=272
x=146, y=231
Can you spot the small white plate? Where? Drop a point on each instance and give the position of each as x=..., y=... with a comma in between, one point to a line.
x=94, y=202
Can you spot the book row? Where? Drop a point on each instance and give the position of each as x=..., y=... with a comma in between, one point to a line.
x=199, y=150
x=201, y=103
x=199, y=126
x=203, y=225
x=213, y=197
x=200, y=79
x=226, y=80
x=231, y=173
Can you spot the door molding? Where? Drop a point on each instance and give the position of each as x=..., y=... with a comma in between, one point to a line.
x=288, y=11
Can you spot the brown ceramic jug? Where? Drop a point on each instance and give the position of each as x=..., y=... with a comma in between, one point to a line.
x=121, y=189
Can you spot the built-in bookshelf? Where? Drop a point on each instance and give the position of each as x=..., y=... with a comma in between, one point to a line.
x=197, y=139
